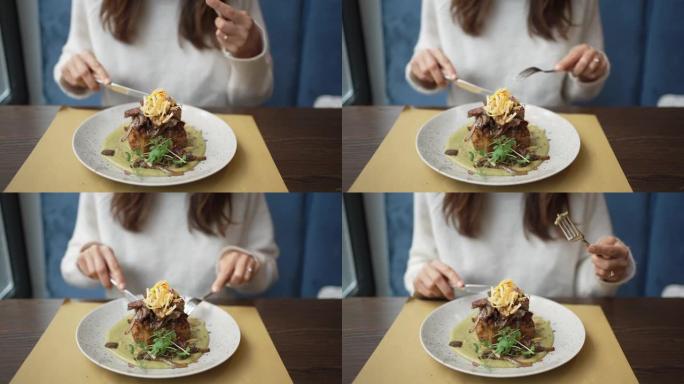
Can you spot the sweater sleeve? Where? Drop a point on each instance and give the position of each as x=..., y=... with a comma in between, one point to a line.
x=596, y=220
x=573, y=88
x=85, y=233
x=78, y=41
x=257, y=241
x=427, y=38
x=251, y=80
x=423, y=249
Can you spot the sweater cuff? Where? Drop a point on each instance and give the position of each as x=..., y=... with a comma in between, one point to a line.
x=238, y=61
x=416, y=85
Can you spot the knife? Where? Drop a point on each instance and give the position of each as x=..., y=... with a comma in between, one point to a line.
x=118, y=88
x=470, y=289
x=468, y=86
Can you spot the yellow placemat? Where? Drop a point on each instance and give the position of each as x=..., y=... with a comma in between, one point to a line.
x=400, y=358
x=57, y=359
x=396, y=166
x=52, y=166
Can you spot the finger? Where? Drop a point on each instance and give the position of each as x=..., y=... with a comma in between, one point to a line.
x=454, y=278
x=240, y=268
x=609, y=263
x=605, y=274
x=75, y=74
x=417, y=71
x=441, y=283
x=420, y=289
x=90, y=264
x=608, y=251
x=252, y=268
x=101, y=269
x=113, y=266
x=595, y=63
x=435, y=71
x=82, y=265
x=227, y=27
x=569, y=61
x=431, y=290
x=224, y=10
x=444, y=62
x=96, y=67
x=583, y=62
x=226, y=266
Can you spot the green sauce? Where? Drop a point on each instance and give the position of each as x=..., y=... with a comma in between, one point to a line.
x=119, y=335
x=465, y=332
x=539, y=145
x=196, y=146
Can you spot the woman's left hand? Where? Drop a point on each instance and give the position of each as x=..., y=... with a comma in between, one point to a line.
x=236, y=32
x=611, y=259
x=585, y=62
x=234, y=268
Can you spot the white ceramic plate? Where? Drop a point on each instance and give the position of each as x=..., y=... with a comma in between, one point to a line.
x=436, y=330
x=564, y=143
x=224, y=338
x=88, y=139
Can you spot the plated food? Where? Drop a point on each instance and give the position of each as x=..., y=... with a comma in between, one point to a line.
x=156, y=142
x=158, y=334
x=153, y=338
x=501, y=331
x=521, y=144
x=499, y=141
x=164, y=143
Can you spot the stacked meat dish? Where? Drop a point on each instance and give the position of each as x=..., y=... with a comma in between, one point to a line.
x=501, y=117
x=162, y=309
x=158, y=117
x=506, y=306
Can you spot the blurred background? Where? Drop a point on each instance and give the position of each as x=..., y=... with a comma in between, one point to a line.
x=377, y=232
x=301, y=32
x=35, y=230
x=643, y=39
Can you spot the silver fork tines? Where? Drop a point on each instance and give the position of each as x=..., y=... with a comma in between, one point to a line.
x=527, y=72
x=569, y=229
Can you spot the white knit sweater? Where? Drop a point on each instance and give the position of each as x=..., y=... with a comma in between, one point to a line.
x=505, y=48
x=556, y=268
x=158, y=58
x=166, y=249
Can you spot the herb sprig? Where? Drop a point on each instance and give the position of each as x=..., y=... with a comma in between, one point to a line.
x=507, y=345
x=503, y=153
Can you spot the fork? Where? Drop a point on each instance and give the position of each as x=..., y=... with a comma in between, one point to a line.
x=569, y=229
x=527, y=72
x=191, y=303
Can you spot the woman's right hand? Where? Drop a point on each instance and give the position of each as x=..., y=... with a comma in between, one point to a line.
x=97, y=261
x=437, y=280
x=429, y=66
x=81, y=70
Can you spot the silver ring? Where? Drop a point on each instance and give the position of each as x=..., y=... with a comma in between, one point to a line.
x=224, y=37
x=597, y=59
x=249, y=269
x=611, y=274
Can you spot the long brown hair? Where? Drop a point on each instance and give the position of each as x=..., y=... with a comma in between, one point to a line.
x=463, y=211
x=196, y=25
x=207, y=212
x=544, y=17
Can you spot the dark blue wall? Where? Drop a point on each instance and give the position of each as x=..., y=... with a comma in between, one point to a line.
x=307, y=230
x=302, y=33
x=650, y=224
x=643, y=39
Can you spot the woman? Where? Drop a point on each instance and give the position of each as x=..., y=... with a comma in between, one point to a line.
x=206, y=54
x=488, y=42
x=484, y=238
x=197, y=242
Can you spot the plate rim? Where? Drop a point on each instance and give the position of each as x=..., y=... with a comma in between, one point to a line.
x=501, y=184
x=144, y=376
x=494, y=375
x=142, y=182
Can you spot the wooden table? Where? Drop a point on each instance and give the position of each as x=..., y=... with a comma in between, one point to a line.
x=649, y=331
x=646, y=142
x=304, y=142
x=306, y=334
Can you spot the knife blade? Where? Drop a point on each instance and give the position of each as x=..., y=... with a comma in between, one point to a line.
x=118, y=88
x=468, y=86
x=470, y=289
